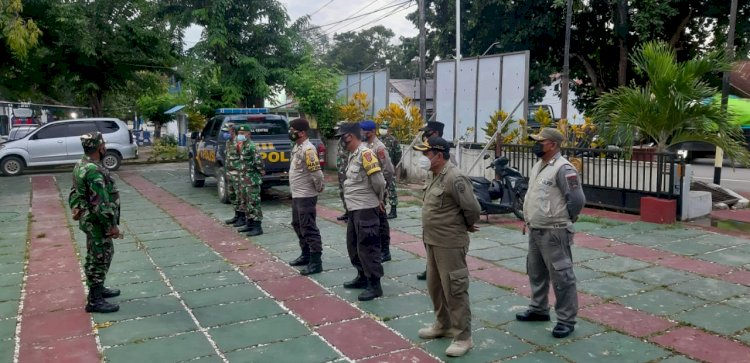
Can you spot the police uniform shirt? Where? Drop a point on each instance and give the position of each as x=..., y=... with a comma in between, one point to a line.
x=381, y=151
x=305, y=175
x=364, y=186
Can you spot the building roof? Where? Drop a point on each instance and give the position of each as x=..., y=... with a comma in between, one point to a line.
x=410, y=88
x=174, y=109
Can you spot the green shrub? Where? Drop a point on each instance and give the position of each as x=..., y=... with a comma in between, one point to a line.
x=165, y=148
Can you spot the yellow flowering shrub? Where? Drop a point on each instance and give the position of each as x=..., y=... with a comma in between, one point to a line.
x=404, y=120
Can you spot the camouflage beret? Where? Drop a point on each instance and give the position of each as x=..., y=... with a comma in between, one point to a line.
x=91, y=141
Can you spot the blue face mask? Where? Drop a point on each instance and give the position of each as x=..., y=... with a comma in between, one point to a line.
x=241, y=138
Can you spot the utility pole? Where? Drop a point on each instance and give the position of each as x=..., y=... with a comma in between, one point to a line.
x=565, y=83
x=719, y=158
x=456, y=96
x=422, y=63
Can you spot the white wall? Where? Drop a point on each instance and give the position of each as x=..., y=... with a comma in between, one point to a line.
x=551, y=98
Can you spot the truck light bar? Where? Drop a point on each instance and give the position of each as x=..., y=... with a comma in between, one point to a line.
x=241, y=111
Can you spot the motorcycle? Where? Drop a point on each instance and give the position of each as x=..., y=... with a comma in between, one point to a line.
x=508, y=188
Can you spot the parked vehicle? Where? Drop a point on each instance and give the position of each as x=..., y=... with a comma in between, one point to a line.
x=59, y=143
x=19, y=132
x=505, y=193
x=269, y=132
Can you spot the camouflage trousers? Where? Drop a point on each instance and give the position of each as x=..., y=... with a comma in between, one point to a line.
x=342, y=177
x=249, y=193
x=390, y=193
x=233, y=186
x=99, y=251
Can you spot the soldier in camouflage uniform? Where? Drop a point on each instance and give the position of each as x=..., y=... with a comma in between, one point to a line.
x=342, y=157
x=251, y=172
x=232, y=173
x=95, y=204
x=394, y=151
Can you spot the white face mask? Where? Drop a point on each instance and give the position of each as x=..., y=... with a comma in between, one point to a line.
x=424, y=163
x=382, y=132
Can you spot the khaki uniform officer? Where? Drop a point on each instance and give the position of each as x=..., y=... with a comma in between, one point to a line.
x=306, y=182
x=449, y=211
x=552, y=204
x=364, y=188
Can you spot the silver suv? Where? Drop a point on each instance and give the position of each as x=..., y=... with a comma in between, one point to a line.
x=59, y=143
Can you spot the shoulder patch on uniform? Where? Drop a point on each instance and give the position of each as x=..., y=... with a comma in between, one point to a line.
x=311, y=160
x=572, y=178
x=370, y=163
x=460, y=185
x=381, y=153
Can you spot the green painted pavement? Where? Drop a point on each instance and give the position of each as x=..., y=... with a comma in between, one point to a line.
x=181, y=348
x=611, y=347
x=248, y=334
x=661, y=302
x=308, y=348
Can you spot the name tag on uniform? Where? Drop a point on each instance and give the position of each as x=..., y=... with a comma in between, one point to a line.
x=547, y=182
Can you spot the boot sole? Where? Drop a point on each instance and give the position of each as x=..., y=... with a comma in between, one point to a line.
x=92, y=310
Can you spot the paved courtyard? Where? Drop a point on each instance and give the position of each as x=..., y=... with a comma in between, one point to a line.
x=195, y=290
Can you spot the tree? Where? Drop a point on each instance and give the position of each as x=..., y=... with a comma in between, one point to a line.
x=314, y=88
x=670, y=108
x=357, y=51
x=21, y=35
x=152, y=107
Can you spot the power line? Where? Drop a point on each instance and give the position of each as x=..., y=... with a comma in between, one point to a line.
x=359, y=16
x=403, y=7
x=321, y=8
x=351, y=20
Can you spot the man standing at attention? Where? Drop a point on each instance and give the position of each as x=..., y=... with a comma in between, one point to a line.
x=394, y=152
x=306, y=182
x=449, y=211
x=231, y=172
x=373, y=143
x=251, y=173
x=364, y=188
x=95, y=203
x=342, y=159
x=552, y=204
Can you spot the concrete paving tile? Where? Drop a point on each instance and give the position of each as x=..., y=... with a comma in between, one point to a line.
x=311, y=347
x=6, y=350
x=8, y=308
x=132, y=331
x=208, y=280
x=294, y=287
x=731, y=256
x=10, y=268
x=391, y=307
x=178, y=232
x=710, y=289
x=581, y=254
x=742, y=302
x=694, y=265
x=703, y=346
x=615, y=232
x=10, y=294
x=503, y=277
x=583, y=273
x=362, y=338
x=133, y=277
x=335, y=277
x=142, y=290
x=410, y=355
x=11, y=280
x=140, y=308
x=54, y=325
x=403, y=267
x=81, y=349
x=539, y=357
x=480, y=290
x=197, y=257
x=498, y=253
x=197, y=268
x=719, y=318
x=63, y=298
x=661, y=302
x=687, y=247
x=214, y=315
x=490, y=345
x=615, y=264
x=516, y=264
x=135, y=264
x=318, y=310
x=181, y=347
x=642, y=239
x=632, y=322
x=274, y=329
x=719, y=240
x=498, y=311
x=7, y=329
x=409, y=326
x=678, y=359
x=155, y=245
x=540, y=332
x=744, y=338
x=611, y=287
x=658, y=275
x=610, y=347
x=219, y=295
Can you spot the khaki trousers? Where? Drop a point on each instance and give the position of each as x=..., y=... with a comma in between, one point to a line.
x=448, y=286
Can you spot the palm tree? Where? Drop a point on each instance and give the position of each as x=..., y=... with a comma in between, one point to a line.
x=671, y=107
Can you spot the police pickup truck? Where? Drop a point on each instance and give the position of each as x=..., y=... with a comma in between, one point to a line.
x=268, y=131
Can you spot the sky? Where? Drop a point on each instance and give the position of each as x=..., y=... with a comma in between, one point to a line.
x=331, y=11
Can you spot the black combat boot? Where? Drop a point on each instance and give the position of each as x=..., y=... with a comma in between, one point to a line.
x=392, y=214
x=107, y=292
x=422, y=276
x=255, y=229
x=386, y=255
x=303, y=259
x=359, y=282
x=315, y=266
x=342, y=217
x=233, y=219
x=97, y=304
x=248, y=226
x=240, y=220
x=372, y=291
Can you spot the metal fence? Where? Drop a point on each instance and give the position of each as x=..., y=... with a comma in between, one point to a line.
x=614, y=179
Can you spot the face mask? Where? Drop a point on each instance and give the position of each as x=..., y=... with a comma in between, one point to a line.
x=424, y=163
x=344, y=141
x=382, y=132
x=225, y=135
x=241, y=137
x=538, y=150
x=294, y=136
x=363, y=137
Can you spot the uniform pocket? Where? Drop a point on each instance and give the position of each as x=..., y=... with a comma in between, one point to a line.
x=370, y=228
x=559, y=244
x=459, y=281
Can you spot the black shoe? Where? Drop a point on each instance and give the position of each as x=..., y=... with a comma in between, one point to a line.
x=342, y=217
x=233, y=219
x=247, y=226
x=302, y=260
x=107, y=292
x=97, y=304
x=422, y=276
x=255, y=229
x=372, y=291
x=359, y=282
x=562, y=330
x=240, y=220
x=386, y=256
x=392, y=214
x=314, y=267
x=529, y=315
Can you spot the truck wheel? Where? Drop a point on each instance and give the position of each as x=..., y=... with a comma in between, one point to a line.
x=195, y=179
x=111, y=160
x=12, y=166
x=221, y=187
